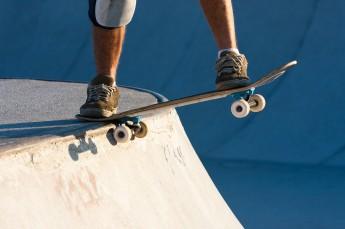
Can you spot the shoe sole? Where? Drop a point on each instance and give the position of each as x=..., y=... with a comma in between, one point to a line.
x=97, y=113
x=232, y=84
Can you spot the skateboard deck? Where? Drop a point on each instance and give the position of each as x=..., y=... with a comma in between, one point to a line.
x=245, y=101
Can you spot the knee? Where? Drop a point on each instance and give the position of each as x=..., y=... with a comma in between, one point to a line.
x=110, y=14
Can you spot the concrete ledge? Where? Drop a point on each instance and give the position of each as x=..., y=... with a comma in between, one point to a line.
x=68, y=174
x=32, y=111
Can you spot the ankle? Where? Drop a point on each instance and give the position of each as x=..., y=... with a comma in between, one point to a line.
x=235, y=50
x=103, y=79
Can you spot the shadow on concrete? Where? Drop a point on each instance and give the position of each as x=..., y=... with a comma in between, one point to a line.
x=87, y=144
x=84, y=146
x=46, y=128
x=32, y=132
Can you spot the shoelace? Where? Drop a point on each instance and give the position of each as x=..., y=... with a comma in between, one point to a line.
x=237, y=62
x=99, y=92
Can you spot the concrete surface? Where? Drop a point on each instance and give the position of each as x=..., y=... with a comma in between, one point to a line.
x=150, y=183
x=37, y=100
x=84, y=179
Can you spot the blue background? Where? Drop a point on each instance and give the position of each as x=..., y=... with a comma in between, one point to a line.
x=281, y=168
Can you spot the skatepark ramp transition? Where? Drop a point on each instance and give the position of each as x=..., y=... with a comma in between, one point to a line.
x=61, y=173
x=287, y=161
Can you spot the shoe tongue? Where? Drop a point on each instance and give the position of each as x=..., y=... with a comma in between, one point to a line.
x=103, y=79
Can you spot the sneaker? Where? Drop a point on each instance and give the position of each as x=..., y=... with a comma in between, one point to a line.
x=231, y=71
x=102, y=98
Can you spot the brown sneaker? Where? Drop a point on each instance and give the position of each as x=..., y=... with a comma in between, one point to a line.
x=102, y=98
x=231, y=71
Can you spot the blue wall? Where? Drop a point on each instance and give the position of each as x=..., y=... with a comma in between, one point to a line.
x=169, y=49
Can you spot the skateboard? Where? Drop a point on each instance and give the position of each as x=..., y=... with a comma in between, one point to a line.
x=129, y=123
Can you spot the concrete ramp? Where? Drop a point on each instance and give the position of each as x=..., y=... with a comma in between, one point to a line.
x=84, y=179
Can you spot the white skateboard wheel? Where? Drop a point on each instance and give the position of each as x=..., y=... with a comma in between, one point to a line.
x=122, y=134
x=240, y=108
x=142, y=131
x=258, y=101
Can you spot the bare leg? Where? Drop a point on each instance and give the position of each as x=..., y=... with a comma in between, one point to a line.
x=107, y=49
x=102, y=96
x=220, y=17
x=231, y=66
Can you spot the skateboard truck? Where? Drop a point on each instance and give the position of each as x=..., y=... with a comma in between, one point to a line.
x=127, y=128
x=246, y=102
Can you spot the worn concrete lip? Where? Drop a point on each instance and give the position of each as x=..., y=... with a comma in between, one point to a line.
x=33, y=111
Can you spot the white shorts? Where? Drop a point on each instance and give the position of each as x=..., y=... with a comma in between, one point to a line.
x=111, y=13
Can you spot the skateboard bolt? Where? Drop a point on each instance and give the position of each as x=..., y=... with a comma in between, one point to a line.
x=121, y=134
x=239, y=109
